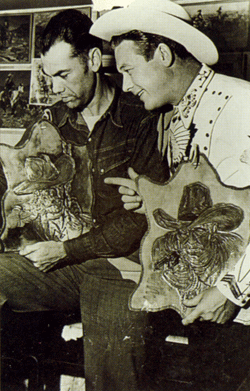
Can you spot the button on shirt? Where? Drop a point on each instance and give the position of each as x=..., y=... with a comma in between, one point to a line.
x=125, y=136
x=216, y=109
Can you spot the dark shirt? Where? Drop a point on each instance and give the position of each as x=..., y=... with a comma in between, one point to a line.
x=125, y=136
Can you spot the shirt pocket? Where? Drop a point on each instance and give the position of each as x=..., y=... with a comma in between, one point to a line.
x=114, y=160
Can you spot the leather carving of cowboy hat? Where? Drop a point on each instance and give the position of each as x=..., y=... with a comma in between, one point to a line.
x=161, y=17
x=43, y=174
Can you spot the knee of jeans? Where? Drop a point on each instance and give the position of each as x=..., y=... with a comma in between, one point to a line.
x=8, y=263
x=101, y=268
x=5, y=260
x=12, y=258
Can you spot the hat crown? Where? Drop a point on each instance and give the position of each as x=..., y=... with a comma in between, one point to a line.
x=165, y=6
x=159, y=17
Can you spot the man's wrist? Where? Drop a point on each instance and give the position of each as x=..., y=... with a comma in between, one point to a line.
x=230, y=289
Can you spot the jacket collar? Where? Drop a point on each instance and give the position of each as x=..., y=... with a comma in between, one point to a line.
x=193, y=95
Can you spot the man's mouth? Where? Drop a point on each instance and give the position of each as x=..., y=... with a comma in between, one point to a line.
x=67, y=99
x=140, y=93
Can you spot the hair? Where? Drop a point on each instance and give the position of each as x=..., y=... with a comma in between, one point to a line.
x=70, y=26
x=147, y=44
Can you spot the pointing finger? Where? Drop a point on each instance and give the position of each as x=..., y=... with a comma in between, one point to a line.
x=121, y=182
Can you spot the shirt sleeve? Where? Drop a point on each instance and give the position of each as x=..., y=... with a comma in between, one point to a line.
x=235, y=285
x=119, y=235
x=122, y=230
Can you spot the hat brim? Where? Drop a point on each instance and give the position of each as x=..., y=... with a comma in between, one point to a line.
x=153, y=21
x=66, y=167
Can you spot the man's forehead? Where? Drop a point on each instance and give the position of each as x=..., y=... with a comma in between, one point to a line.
x=58, y=57
x=51, y=66
x=126, y=53
x=60, y=49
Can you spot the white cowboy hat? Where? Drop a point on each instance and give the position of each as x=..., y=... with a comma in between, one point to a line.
x=161, y=17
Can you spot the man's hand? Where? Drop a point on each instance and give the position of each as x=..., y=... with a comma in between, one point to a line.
x=128, y=189
x=211, y=305
x=44, y=255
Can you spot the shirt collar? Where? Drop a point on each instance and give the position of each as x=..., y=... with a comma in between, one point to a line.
x=113, y=110
x=192, y=97
x=68, y=114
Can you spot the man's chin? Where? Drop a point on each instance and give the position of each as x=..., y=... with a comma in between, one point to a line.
x=72, y=104
x=150, y=106
x=158, y=107
x=76, y=105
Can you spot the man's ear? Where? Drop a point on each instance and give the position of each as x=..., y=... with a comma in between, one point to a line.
x=95, y=59
x=164, y=54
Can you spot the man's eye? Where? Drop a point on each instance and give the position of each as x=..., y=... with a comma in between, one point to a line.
x=64, y=75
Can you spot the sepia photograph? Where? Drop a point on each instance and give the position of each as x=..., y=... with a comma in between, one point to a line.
x=15, y=111
x=15, y=39
x=41, y=92
x=124, y=189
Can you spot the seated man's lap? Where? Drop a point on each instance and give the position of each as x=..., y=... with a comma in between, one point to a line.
x=26, y=288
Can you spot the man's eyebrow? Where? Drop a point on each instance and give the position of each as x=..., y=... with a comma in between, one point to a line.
x=55, y=74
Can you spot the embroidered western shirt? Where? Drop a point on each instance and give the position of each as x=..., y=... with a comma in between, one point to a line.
x=216, y=111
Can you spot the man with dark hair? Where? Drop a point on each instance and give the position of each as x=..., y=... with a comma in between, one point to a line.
x=166, y=62
x=147, y=44
x=87, y=100
x=72, y=28
x=106, y=131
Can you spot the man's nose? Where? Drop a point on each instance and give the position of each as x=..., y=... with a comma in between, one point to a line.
x=57, y=86
x=127, y=83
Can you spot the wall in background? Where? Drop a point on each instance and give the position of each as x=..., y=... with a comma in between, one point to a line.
x=21, y=24
x=25, y=4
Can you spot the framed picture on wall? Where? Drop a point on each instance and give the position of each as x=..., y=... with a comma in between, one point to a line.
x=41, y=86
x=15, y=39
x=41, y=20
x=15, y=111
x=226, y=23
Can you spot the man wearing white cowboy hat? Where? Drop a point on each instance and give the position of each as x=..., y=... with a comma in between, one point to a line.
x=165, y=61
x=212, y=110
